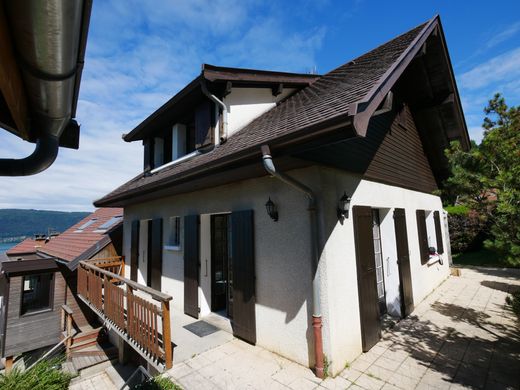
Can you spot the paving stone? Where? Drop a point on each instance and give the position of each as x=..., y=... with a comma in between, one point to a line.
x=379, y=372
x=402, y=381
x=389, y=364
x=350, y=374
x=369, y=383
x=335, y=383
x=303, y=384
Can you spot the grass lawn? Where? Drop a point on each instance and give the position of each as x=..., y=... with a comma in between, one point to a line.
x=482, y=257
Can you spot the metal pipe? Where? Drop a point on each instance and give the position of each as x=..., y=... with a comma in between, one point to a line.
x=48, y=39
x=219, y=102
x=43, y=156
x=316, y=281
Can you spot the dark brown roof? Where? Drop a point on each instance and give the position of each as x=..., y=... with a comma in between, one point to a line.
x=214, y=74
x=73, y=242
x=348, y=95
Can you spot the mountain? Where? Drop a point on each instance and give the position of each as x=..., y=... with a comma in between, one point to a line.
x=16, y=224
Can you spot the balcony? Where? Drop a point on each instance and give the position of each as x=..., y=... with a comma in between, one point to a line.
x=138, y=314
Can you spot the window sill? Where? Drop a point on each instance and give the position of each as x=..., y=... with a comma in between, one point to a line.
x=434, y=259
x=36, y=312
x=172, y=247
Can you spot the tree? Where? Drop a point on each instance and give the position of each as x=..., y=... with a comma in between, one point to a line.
x=487, y=178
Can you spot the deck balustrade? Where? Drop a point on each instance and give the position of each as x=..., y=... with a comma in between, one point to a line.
x=145, y=323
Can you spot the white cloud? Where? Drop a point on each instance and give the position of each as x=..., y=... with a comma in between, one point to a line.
x=498, y=69
x=139, y=54
x=503, y=35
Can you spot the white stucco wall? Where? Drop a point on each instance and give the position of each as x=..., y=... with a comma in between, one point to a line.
x=246, y=104
x=283, y=281
x=282, y=255
x=338, y=267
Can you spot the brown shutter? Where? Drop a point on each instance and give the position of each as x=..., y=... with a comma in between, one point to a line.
x=148, y=154
x=156, y=253
x=134, y=250
x=403, y=261
x=191, y=265
x=243, y=260
x=438, y=232
x=204, y=124
x=366, y=271
x=167, y=147
x=423, y=236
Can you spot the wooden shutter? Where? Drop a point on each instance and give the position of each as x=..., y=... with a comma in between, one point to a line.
x=134, y=250
x=156, y=253
x=242, y=258
x=167, y=147
x=191, y=265
x=366, y=272
x=148, y=154
x=438, y=232
x=204, y=124
x=403, y=261
x=423, y=236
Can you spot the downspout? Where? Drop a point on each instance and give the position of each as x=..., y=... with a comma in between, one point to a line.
x=220, y=103
x=316, y=281
x=43, y=156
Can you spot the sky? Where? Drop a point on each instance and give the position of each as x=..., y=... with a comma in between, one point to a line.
x=141, y=52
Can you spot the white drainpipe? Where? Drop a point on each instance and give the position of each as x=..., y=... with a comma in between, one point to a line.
x=220, y=103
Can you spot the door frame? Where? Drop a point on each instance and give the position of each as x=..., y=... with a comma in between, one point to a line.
x=144, y=278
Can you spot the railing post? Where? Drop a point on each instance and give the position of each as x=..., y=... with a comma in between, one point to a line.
x=122, y=266
x=167, y=342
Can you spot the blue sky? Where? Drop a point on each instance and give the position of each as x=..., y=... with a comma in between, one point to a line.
x=141, y=52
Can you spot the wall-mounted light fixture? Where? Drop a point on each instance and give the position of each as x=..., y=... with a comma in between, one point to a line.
x=343, y=206
x=271, y=210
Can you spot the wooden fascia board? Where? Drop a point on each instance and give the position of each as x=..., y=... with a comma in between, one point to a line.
x=363, y=109
x=11, y=84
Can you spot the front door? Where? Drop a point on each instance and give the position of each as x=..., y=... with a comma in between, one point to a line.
x=366, y=272
x=221, y=266
x=378, y=257
x=403, y=260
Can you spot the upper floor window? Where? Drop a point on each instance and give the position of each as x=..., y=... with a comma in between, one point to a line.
x=194, y=132
x=37, y=293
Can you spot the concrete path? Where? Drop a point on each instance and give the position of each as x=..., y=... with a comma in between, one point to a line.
x=461, y=336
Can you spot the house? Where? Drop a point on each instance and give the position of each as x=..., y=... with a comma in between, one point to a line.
x=38, y=277
x=299, y=207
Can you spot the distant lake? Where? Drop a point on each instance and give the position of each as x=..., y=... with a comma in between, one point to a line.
x=6, y=245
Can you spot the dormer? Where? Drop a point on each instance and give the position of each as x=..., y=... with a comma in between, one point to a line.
x=214, y=106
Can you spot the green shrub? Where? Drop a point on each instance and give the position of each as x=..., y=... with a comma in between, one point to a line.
x=157, y=383
x=467, y=230
x=457, y=210
x=46, y=375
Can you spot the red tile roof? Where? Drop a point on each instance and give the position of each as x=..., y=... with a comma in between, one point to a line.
x=25, y=247
x=73, y=242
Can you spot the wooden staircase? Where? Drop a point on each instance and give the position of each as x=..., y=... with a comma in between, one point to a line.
x=87, y=348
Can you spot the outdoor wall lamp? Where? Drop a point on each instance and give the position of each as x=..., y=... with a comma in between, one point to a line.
x=271, y=210
x=343, y=206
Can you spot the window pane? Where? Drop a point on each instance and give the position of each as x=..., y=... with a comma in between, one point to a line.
x=36, y=294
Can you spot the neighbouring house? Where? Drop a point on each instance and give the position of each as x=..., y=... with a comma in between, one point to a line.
x=298, y=207
x=38, y=277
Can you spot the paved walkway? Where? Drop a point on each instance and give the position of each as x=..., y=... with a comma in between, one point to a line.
x=461, y=336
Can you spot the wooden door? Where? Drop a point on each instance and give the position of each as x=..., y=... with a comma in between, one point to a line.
x=403, y=261
x=220, y=264
x=134, y=250
x=243, y=275
x=366, y=272
x=191, y=265
x=156, y=253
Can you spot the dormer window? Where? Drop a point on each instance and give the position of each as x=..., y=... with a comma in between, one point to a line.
x=182, y=138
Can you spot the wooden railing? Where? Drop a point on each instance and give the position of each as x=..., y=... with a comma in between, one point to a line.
x=145, y=323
